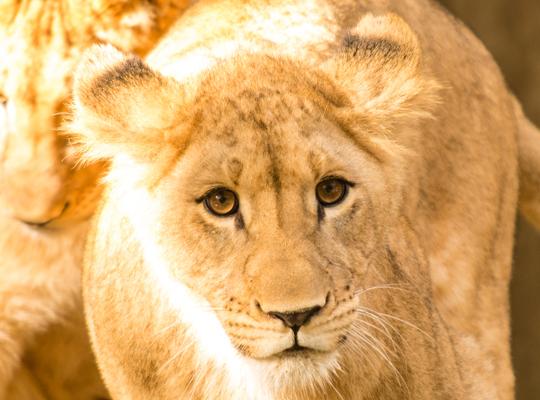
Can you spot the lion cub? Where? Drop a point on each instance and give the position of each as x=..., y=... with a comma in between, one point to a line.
x=307, y=200
x=45, y=198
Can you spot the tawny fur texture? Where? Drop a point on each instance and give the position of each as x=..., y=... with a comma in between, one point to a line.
x=45, y=199
x=410, y=271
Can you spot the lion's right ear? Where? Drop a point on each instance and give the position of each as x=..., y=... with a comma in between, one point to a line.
x=380, y=66
x=122, y=107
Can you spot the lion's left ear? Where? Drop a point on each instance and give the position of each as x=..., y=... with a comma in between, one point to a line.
x=379, y=65
x=122, y=107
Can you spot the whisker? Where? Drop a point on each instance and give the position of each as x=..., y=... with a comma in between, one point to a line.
x=180, y=352
x=378, y=342
x=383, y=331
x=405, y=322
x=408, y=324
x=384, y=356
x=377, y=318
x=386, y=286
x=360, y=350
x=168, y=327
x=335, y=389
x=384, y=323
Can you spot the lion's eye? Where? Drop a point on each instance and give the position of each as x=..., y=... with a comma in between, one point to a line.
x=331, y=191
x=221, y=202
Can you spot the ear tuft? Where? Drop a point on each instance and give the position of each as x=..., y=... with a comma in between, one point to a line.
x=102, y=70
x=98, y=58
x=121, y=106
x=380, y=66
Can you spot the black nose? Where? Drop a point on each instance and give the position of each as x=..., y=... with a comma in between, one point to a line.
x=295, y=319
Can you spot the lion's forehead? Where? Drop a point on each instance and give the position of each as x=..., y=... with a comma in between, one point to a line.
x=257, y=110
x=275, y=157
x=294, y=152
x=261, y=122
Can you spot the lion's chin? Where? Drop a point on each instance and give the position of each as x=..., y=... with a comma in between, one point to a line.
x=296, y=368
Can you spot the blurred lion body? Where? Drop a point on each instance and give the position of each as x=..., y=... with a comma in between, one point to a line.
x=45, y=198
x=434, y=105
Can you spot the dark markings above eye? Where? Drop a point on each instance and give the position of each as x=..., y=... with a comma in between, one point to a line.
x=235, y=169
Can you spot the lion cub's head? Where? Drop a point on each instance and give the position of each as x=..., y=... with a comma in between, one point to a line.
x=256, y=212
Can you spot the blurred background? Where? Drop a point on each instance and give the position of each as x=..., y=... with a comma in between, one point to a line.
x=511, y=31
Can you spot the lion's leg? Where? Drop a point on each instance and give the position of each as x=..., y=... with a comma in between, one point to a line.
x=23, y=386
x=10, y=353
x=40, y=282
x=62, y=362
x=22, y=316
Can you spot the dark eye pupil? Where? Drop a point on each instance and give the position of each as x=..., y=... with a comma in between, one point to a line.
x=222, y=198
x=329, y=187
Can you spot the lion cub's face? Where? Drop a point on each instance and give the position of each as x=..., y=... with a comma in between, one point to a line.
x=268, y=217
x=258, y=199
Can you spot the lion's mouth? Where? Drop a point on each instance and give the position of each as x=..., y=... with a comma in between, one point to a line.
x=296, y=348
x=297, y=352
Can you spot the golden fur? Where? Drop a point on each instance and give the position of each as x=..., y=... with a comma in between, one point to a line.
x=411, y=271
x=45, y=200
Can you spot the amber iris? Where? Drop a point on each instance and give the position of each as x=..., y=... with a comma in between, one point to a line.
x=331, y=191
x=221, y=202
